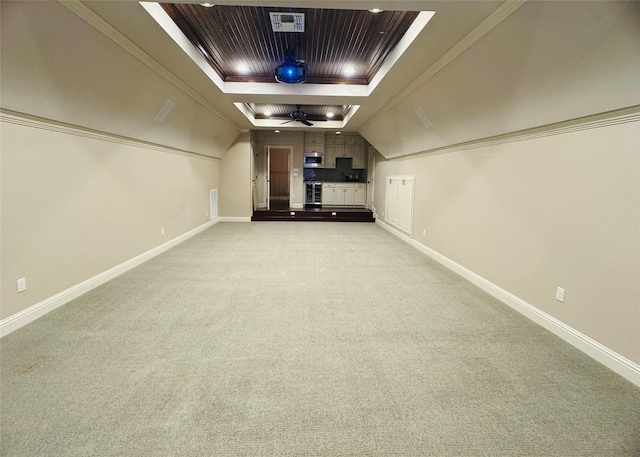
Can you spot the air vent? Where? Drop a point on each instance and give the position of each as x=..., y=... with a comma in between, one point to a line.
x=287, y=22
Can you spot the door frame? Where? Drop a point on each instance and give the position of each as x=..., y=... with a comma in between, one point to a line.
x=267, y=149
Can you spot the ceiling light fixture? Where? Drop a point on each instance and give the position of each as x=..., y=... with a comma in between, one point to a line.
x=207, y=5
x=330, y=114
x=338, y=133
x=268, y=113
x=349, y=71
x=375, y=10
x=277, y=131
x=243, y=68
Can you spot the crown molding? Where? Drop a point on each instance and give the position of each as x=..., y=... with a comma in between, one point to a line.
x=607, y=119
x=27, y=120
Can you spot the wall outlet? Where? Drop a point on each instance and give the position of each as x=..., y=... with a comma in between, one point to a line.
x=560, y=294
x=21, y=284
x=162, y=231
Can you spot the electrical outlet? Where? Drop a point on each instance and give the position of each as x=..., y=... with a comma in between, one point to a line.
x=21, y=284
x=162, y=231
x=560, y=294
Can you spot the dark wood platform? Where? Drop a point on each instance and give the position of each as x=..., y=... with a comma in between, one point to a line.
x=322, y=214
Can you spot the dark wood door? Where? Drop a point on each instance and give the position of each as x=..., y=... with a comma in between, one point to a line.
x=279, y=178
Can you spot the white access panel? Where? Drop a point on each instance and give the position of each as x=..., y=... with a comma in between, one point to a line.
x=399, y=202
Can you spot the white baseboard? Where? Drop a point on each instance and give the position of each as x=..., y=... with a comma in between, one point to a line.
x=609, y=358
x=234, y=219
x=297, y=206
x=32, y=313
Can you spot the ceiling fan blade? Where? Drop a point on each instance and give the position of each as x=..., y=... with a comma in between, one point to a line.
x=306, y=122
x=286, y=122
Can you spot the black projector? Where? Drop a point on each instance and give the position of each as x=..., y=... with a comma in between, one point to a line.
x=291, y=72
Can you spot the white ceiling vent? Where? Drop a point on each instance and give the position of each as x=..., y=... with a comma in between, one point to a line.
x=287, y=22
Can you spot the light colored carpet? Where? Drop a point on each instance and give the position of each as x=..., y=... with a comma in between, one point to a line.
x=306, y=339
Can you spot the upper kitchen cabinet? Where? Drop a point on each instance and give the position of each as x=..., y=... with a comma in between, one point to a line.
x=359, y=157
x=344, y=146
x=310, y=138
x=314, y=142
x=330, y=155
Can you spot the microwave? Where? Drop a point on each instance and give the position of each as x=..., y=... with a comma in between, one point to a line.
x=313, y=160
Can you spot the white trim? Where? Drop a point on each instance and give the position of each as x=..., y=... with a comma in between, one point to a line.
x=616, y=117
x=235, y=219
x=609, y=358
x=297, y=206
x=28, y=120
x=24, y=317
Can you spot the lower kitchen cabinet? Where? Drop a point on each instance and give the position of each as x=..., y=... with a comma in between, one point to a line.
x=360, y=195
x=328, y=194
x=344, y=194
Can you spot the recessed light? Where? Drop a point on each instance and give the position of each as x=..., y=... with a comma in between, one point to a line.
x=277, y=131
x=338, y=133
x=376, y=10
x=330, y=114
x=268, y=113
x=207, y=5
x=243, y=68
x=349, y=71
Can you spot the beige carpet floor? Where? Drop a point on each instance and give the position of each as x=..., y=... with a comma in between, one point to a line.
x=302, y=339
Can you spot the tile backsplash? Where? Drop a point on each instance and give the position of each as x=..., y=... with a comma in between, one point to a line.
x=342, y=172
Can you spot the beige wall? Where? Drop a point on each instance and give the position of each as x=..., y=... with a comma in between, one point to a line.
x=235, y=179
x=548, y=62
x=73, y=206
x=531, y=215
x=89, y=178
x=57, y=66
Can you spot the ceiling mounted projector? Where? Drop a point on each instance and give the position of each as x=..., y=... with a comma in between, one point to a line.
x=291, y=72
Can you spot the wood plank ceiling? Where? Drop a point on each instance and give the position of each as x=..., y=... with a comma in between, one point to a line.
x=313, y=112
x=230, y=37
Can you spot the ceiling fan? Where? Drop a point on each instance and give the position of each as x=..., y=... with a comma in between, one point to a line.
x=300, y=116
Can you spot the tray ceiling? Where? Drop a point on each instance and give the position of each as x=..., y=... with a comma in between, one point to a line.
x=241, y=46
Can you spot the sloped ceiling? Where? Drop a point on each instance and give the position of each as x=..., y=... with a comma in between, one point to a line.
x=476, y=70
